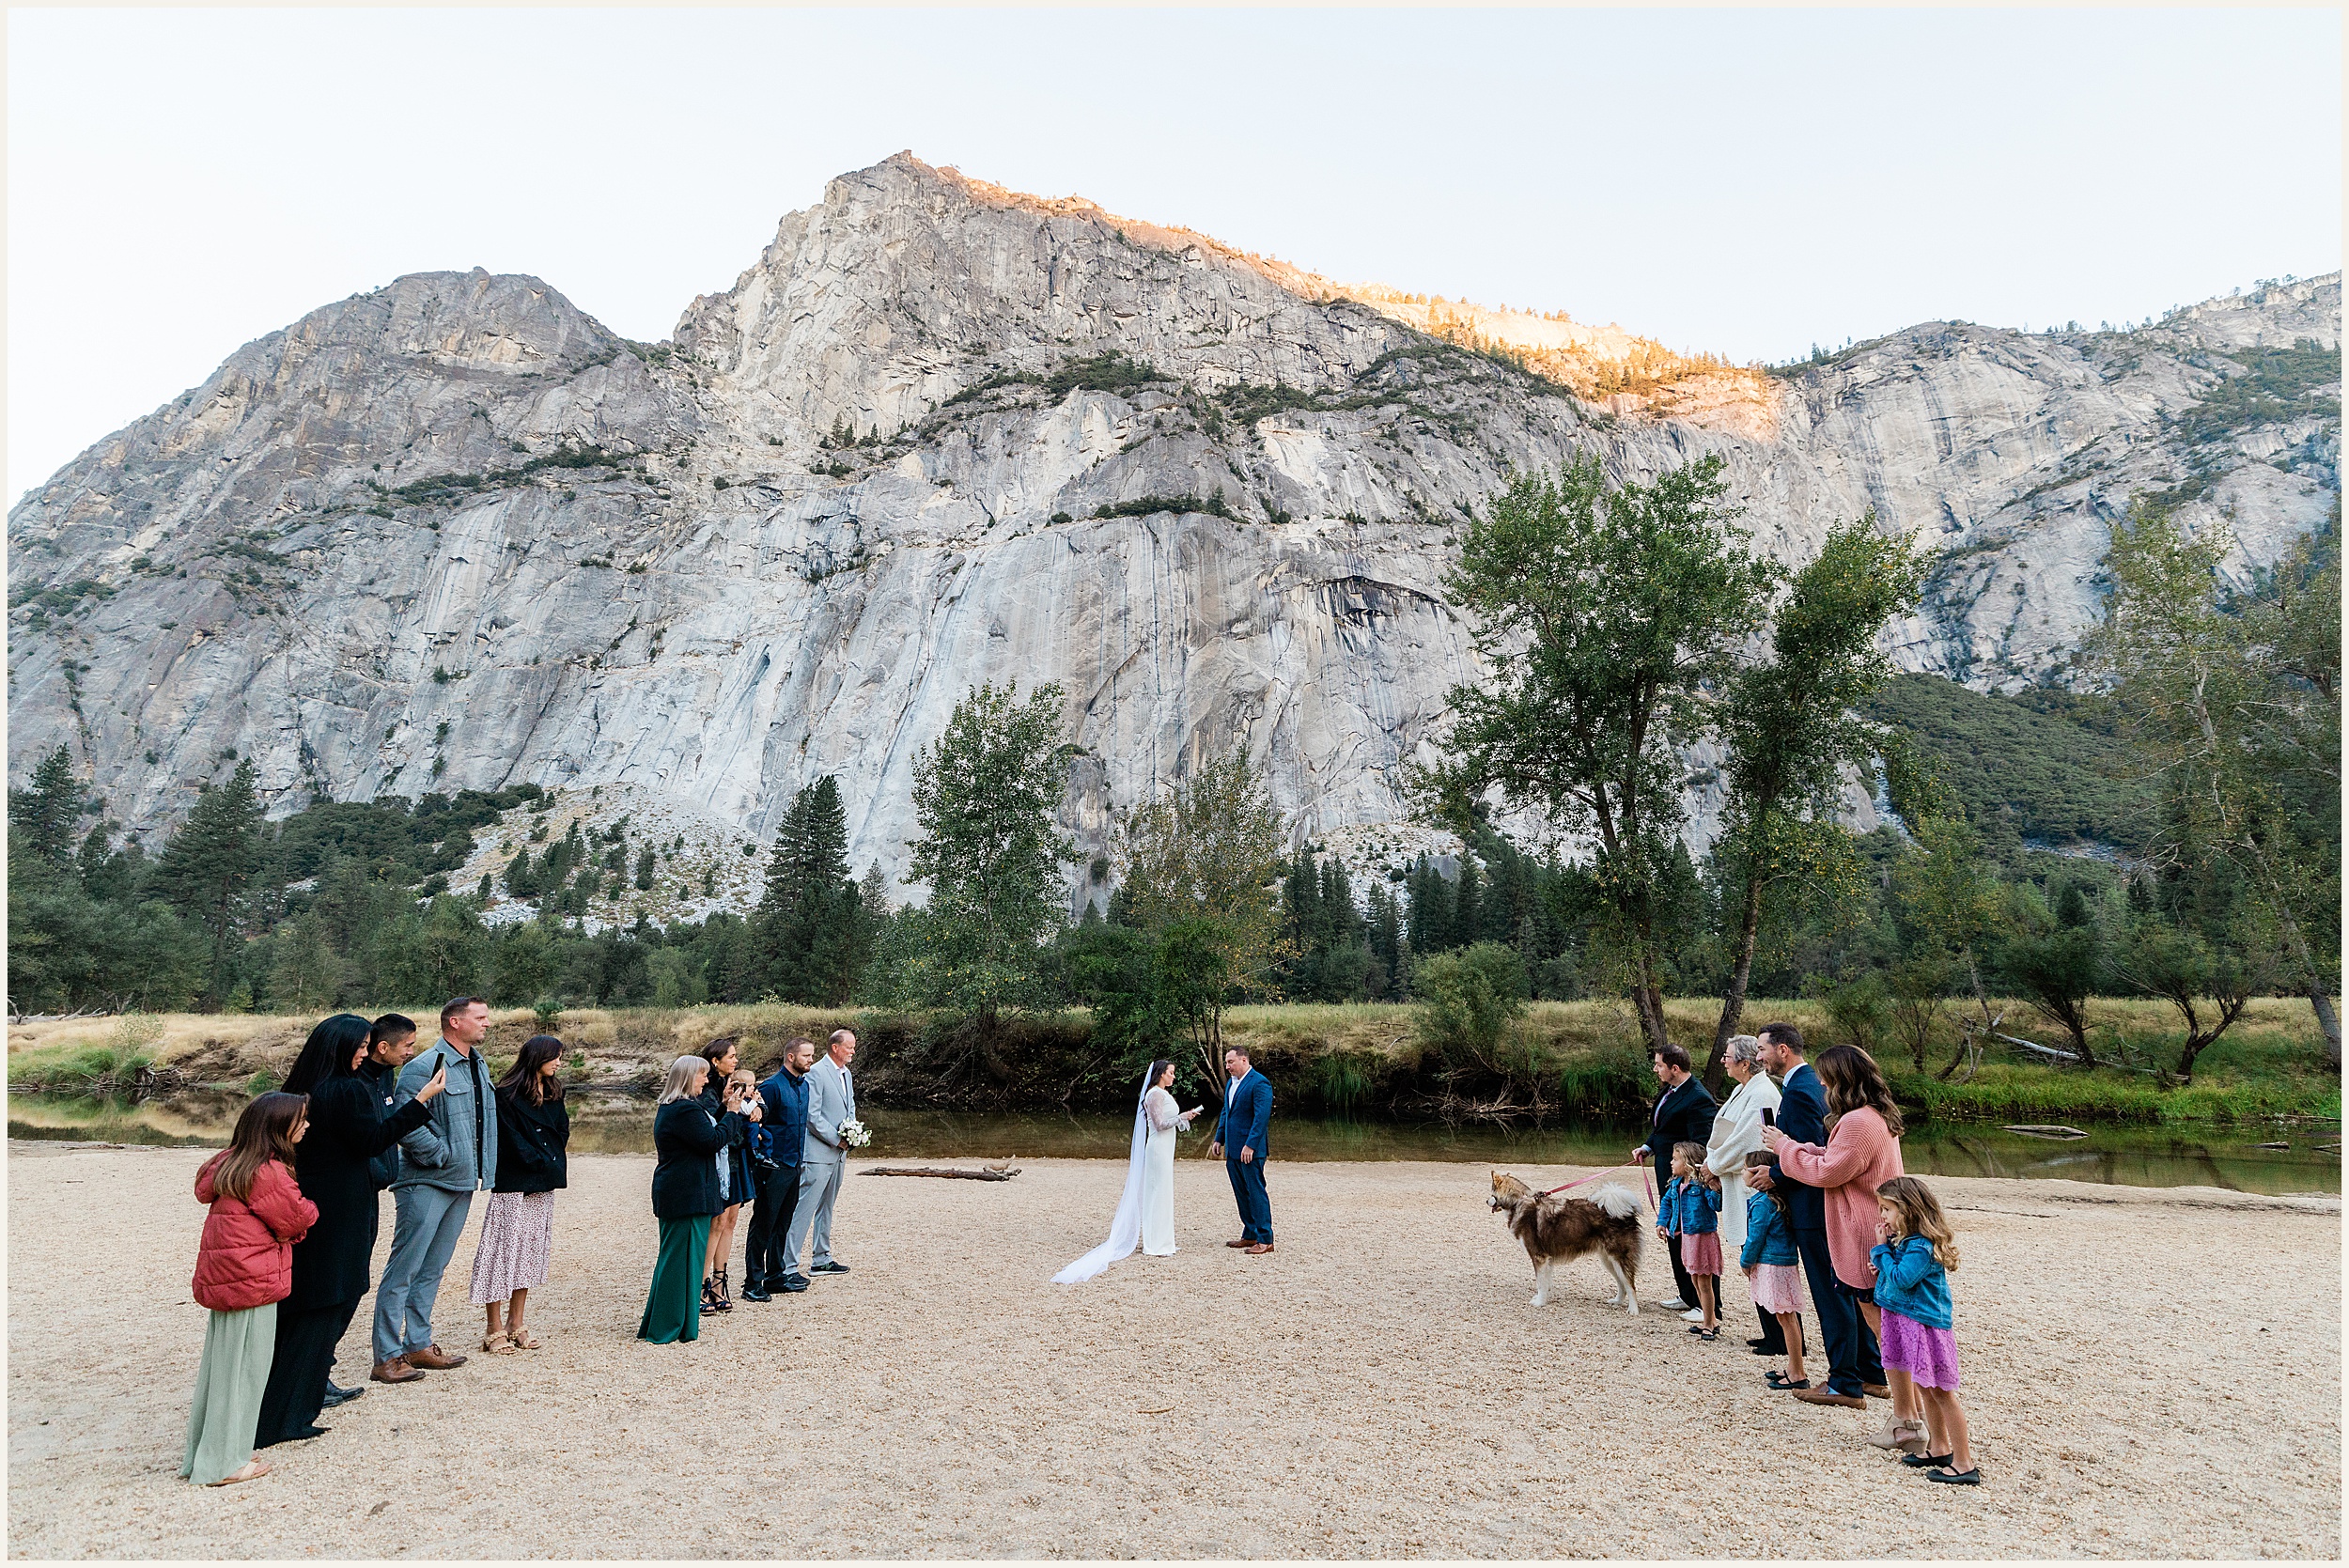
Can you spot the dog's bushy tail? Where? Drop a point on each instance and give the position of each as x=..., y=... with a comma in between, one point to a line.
x=1620, y=1202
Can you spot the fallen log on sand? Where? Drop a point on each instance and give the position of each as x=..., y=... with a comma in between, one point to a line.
x=992, y=1173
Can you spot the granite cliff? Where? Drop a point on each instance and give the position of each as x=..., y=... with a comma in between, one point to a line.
x=456, y=533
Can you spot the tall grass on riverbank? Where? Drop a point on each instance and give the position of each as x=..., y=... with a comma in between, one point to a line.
x=1571, y=1059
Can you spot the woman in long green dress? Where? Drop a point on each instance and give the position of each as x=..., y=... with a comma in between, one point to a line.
x=686, y=1138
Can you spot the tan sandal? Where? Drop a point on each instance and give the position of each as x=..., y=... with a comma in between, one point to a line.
x=251, y=1469
x=498, y=1345
x=524, y=1340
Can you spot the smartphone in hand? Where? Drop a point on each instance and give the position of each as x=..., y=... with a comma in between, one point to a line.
x=1769, y=1117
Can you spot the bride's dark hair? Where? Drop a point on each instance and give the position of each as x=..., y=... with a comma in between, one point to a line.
x=1150, y=1081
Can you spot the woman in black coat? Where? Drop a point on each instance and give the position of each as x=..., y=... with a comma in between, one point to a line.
x=686, y=1137
x=349, y=1127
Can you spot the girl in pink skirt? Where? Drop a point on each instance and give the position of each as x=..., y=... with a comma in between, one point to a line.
x=1774, y=1273
x=1913, y=1256
x=1696, y=1200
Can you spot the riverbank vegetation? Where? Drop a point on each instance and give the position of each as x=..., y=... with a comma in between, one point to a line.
x=1557, y=1062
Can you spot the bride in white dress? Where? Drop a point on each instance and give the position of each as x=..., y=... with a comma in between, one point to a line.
x=1145, y=1210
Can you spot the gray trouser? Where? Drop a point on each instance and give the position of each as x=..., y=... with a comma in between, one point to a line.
x=819, y=1188
x=425, y=1223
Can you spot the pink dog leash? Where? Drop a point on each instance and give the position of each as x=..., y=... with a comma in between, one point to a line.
x=1585, y=1181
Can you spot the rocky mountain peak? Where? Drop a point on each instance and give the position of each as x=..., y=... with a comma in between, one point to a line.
x=454, y=533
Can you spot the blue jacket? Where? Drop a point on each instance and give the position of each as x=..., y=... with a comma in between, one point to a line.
x=1767, y=1237
x=1802, y=1116
x=784, y=1101
x=1912, y=1282
x=457, y=1148
x=1694, y=1207
x=1247, y=1117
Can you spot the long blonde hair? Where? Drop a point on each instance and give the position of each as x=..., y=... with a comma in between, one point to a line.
x=678, y=1085
x=1921, y=1215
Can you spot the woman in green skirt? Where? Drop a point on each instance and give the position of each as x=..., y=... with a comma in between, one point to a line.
x=686, y=1138
x=243, y=1268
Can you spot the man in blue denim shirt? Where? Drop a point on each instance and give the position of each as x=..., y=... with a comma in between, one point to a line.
x=778, y=1185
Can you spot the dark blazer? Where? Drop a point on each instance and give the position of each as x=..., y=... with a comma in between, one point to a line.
x=348, y=1128
x=1246, y=1120
x=687, y=1140
x=1802, y=1116
x=532, y=1140
x=1683, y=1115
x=785, y=1100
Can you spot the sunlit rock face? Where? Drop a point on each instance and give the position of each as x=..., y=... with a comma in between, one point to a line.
x=873, y=473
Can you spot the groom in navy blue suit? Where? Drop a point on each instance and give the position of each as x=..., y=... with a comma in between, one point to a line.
x=1239, y=1138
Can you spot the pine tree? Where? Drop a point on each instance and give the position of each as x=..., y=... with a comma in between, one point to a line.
x=644, y=870
x=208, y=869
x=50, y=808
x=808, y=923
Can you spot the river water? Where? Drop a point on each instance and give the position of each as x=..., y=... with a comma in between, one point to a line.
x=2227, y=1157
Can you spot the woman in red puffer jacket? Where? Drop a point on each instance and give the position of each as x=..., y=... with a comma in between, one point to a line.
x=243, y=1268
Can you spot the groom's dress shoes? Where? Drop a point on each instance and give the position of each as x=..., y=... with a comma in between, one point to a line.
x=1241, y=1242
x=1260, y=1249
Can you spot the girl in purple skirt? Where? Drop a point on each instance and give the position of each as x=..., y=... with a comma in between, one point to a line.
x=1913, y=1256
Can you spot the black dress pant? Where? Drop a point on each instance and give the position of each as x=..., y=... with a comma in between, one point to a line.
x=1851, y=1350
x=297, y=1371
x=763, y=1264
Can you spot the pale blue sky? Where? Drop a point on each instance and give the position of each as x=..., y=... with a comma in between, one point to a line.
x=180, y=182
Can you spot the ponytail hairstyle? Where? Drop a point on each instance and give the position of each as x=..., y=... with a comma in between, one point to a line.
x=327, y=1053
x=1760, y=1159
x=1852, y=1079
x=1921, y=1215
x=265, y=1131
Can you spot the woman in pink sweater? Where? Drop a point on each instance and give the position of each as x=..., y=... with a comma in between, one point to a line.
x=1862, y=1152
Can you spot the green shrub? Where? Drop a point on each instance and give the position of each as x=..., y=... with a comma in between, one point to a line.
x=1470, y=996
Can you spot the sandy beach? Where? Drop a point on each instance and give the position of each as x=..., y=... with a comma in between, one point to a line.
x=2149, y=1373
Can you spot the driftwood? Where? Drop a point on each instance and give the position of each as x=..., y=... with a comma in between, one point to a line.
x=2067, y=1056
x=2271, y=1145
x=992, y=1173
x=2035, y=1129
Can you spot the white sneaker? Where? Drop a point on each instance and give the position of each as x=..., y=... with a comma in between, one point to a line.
x=1676, y=1305
x=1694, y=1315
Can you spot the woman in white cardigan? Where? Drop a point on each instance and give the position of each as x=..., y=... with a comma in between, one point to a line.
x=1737, y=1133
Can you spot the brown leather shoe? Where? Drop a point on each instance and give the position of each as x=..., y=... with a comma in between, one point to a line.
x=1260, y=1249
x=1241, y=1242
x=1829, y=1396
x=397, y=1370
x=1875, y=1391
x=434, y=1356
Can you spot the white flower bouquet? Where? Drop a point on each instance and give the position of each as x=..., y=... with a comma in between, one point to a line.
x=854, y=1135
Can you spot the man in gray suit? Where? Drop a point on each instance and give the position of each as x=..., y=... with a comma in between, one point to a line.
x=831, y=1100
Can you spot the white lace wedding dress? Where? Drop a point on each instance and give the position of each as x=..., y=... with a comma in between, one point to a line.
x=1157, y=1173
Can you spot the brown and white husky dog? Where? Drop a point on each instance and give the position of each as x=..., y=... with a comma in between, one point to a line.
x=1558, y=1230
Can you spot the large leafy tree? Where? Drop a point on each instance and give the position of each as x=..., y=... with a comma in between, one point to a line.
x=2234, y=698
x=210, y=869
x=1205, y=857
x=1795, y=729
x=985, y=799
x=1606, y=616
